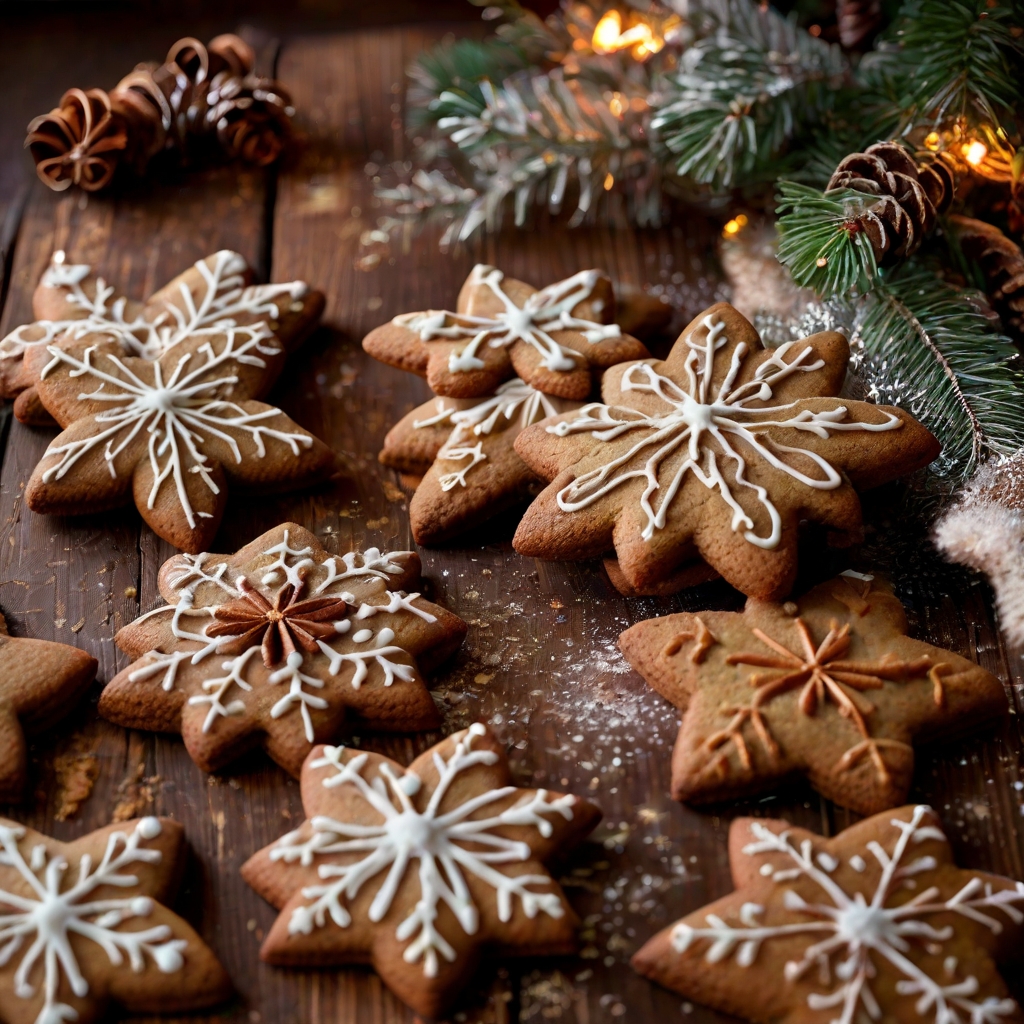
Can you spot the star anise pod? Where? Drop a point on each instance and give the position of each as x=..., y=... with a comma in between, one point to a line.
x=78, y=142
x=279, y=627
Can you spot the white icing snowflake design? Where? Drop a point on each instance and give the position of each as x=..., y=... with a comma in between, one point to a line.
x=225, y=299
x=514, y=396
x=288, y=569
x=445, y=844
x=178, y=415
x=548, y=310
x=852, y=927
x=709, y=424
x=46, y=920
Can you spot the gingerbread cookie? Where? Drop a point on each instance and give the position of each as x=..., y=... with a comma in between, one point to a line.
x=170, y=433
x=719, y=451
x=280, y=644
x=555, y=339
x=215, y=293
x=829, y=686
x=474, y=473
x=418, y=870
x=83, y=925
x=876, y=924
x=40, y=683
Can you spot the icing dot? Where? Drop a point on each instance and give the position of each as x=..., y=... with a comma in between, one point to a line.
x=168, y=958
x=410, y=784
x=857, y=863
x=385, y=636
x=477, y=729
x=142, y=906
x=362, y=636
x=766, y=870
x=149, y=828
x=343, y=626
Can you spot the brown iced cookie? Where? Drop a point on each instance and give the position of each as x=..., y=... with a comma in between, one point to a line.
x=474, y=472
x=718, y=452
x=829, y=686
x=83, y=926
x=72, y=302
x=690, y=574
x=40, y=683
x=555, y=339
x=171, y=434
x=420, y=871
x=281, y=644
x=876, y=924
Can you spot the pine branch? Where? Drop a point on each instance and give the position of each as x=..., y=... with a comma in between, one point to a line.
x=743, y=92
x=820, y=241
x=958, y=60
x=933, y=351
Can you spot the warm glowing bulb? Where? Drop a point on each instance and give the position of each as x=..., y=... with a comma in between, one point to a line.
x=975, y=152
x=618, y=104
x=931, y=141
x=607, y=32
x=609, y=181
x=734, y=226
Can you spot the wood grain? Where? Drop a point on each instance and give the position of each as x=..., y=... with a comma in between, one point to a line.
x=540, y=662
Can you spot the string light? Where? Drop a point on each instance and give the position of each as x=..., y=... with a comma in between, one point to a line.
x=735, y=226
x=641, y=37
x=609, y=181
x=932, y=141
x=974, y=152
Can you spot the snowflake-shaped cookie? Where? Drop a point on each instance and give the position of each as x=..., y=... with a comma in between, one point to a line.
x=553, y=338
x=831, y=687
x=417, y=869
x=40, y=683
x=72, y=303
x=721, y=450
x=464, y=448
x=82, y=925
x=171, y=433
x=875, y=924
x=280, y=643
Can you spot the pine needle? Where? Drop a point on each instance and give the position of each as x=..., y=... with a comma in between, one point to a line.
x=814, y=227
x=933, y=351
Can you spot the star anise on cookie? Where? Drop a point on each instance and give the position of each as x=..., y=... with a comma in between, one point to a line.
x=83, y=926
x=170, y=433
x=719, y=451
x=831, y=688
x=215, y=293
x=464, y=448
x=40, y=682
x=419, y=870
x=337, y=638
x=555, y=339
x=877, y=924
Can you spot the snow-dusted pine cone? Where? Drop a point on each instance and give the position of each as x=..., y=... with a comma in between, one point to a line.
x=909, y=194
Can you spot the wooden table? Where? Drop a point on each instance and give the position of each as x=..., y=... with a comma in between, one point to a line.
x=540, y=662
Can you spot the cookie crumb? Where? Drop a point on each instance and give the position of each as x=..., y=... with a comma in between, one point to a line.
x=790, y=608
x=135, y=794
x=130, y=592
x=76, y=776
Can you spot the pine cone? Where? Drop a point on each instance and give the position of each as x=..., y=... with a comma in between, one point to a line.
x=1002, y=263
x=252, y=117
x=79, y=142
x=231, y=53
x=857, y=19
x=905, y=212
x=139, y=101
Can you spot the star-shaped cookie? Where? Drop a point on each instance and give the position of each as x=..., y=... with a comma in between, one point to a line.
x=555, y=339
x=40, y=682
x=719, y=451
x=464, y=448
x=877, y=924
x=71, y=301
x=829, y=686
x=83, y=926
x=419, y=870
x=170, y=433
x=280, y=644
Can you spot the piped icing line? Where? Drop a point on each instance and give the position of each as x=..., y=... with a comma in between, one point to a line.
x=446, y=846
x=40, y=923
x=178, y=415
x=697, y=415
x=847, y=930
x=545, y=311
x=292, y=610
x=513, y=397
x=224, y=300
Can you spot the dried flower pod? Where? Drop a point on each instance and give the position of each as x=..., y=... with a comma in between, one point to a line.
x=231, y=53
x=252, y=117
x=1002, y=263
x=146, y=114
x=78, y=142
